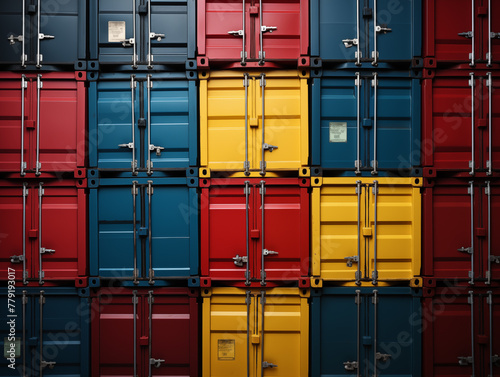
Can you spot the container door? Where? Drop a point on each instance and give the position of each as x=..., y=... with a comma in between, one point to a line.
x=283, y=324
x=214, y=39
x=398, y=26
x=225, y=334
x=336, y=210
x=171, y=329
x=13, y=203
x=174, y=249
x=285, y=123
x=285, y=232
x=57, y=320
x=342, y=328
x=451, y=41
x=222, y=122
x=494, y=28
x=174, y=29
x=495, y=121
x=20, y=340
x=291, y=22
x=394, y=223
x=337, y=21
x=113, y=251
x=11, y=27
x=115, y=29
x=339, y=124
x=224, y=207
x=491, y=219
x=449, y=229
x=391, y=318
x=113, y=337
x=491, y=315
x=170, y=123
x=116, y=105
x=65, y=21
x=394, y=138
x=448, y=102
x=60, y=250
x=62, y=125
x=12, y=99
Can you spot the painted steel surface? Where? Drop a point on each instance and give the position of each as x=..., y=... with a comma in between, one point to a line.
x=458, y=231
x=386, y=116
x=222, y=31
x=259, y=333
x=459, y=116
x=56, y=336
x=473, y=349
x=159, y=217
x=385, y=323
x=384, y=246
x=223, y=125
x=52, y=33
x=131, y=124
x=145, y=332
x=285, y=232
x=459, y=31
x=163, y=32
x=44, y=223
x=335, y=36
x=54, y=122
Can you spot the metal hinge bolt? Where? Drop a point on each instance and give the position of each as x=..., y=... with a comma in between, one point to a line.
x=495, y=359
x=382, y=29
x=382, y=356
x=16, y=258
x=265, y=364
x=351, y=260
x=269, y=147
x=12, y=39
x=47, y=364
x=157, y=36
x=348, y=43
x=351, y=365
x=269, y=252
x=467, y=34
x=128, y=42
x=238, y=261
x=270, y=29
x=43, y=250
x=45, y=36
x=467, y=250
x=495, y=259
x=493, y=35
x=128, y=145
x=465, y=360
x=156, y=362
x=236, y=33
x=158, y=149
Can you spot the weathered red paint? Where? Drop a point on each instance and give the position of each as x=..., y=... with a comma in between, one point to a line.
x=62, y=122
x=174, y=331
x=223, y=229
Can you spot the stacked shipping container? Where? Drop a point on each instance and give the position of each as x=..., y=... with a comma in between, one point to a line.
x=256, y=187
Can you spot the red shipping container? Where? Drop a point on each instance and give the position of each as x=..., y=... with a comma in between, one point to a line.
x=227, y=33
x=144, y=332
x=461, y=31
x=460, y=119
x=44, y=231
x=53, y=124
x=460, y=332
x=459, y=237
x=282, y=242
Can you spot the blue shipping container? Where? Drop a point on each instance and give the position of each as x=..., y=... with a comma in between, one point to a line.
x=366, y=117
x=342, y=28
x=125, y=116
x=46, y=32
x=52, y=332
x=150, y=225
x=370, y=331
x=155, y=31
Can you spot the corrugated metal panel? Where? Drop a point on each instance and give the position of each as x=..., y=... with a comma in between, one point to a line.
x=172, y=106
x=332, y=22
x=336, y=211
x=285, y=230
x=235, y=322
x=223, y=100
x=62, y=232
x=385, y=321
x=56, y=331
x=172, y=23
x=61, y=124
x=145, y=332
x=64, y=21
x=387, y=119
x=166, y=219
x=288, y=41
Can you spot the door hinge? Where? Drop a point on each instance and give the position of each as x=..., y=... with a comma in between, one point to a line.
x=266, y=364
x=351, y=260
x=269, y=252
x=238, y=261
x=495, y=259
x=43, y=250
x=351, y=365
x=156, y=362
x=467, y=250
x=382, y=356
x=269, y=147
x=16, y=258
x=47, y=364
x=464, y=360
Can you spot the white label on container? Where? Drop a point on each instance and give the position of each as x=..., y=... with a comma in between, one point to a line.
x=338, y=132
x=116, y=31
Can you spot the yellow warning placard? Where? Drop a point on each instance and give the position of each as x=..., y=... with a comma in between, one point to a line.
x=226, y=349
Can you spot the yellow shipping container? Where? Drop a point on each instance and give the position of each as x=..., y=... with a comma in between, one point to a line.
x=365, y=229
x=262, y=332
x=234, y=134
